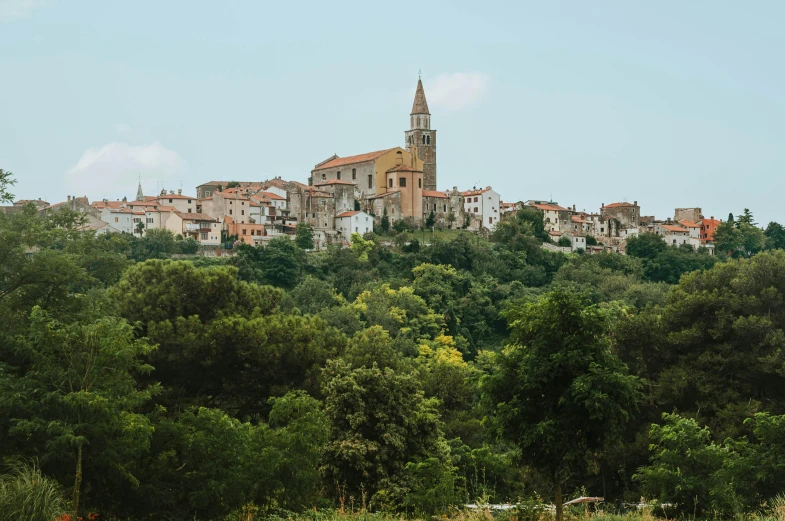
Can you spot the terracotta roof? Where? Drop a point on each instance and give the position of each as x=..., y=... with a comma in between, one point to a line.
x=432, y=193
x=689, y=224
x=164, y=209
x=550, y=207
x=577, y=219
x=555, y=232
x=473, y=192
x=195, y=217
x=420, y=106
x=617, y=205
x=674, y=228
x=347, y=214
x=273, y=196
x=109, y=204
x=402, y=168
x=334, y=182
x=361, y=158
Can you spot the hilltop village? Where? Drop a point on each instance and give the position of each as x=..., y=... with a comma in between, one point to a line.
x=367, y=193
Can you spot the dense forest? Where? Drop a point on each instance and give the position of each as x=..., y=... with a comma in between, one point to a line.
x=409, y=377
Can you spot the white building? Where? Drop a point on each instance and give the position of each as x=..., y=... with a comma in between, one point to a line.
x=674, y=234
x=180, y=202
x=694, y=232
x=483, y=205
x=121, y=219
x=347, y=223
x=554, y=217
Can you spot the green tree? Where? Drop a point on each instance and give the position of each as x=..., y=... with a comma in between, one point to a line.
x=430, y=221
x=379, y=422
x=360, y=246
x=303, y=236
x=385, y=223
x=282, y=262
x=645, y=246
x=400, y=226
x=79, y=397
x=564, y=242
x=6, y=180
x=558, y=392
x=775, y=236
x=685, y=468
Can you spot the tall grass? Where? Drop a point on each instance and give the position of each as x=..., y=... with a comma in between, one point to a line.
x=26, y=494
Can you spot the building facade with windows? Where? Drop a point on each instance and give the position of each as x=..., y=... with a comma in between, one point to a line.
x=347, y=223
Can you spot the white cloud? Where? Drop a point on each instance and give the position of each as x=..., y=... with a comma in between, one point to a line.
x=113, y=170
x=456, y=91
x=15, y=9
x=122, y=128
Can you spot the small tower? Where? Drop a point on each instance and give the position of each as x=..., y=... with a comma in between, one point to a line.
x=421, y=138
x=139, y=193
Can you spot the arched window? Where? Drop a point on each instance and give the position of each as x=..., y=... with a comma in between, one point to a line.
x=428, y=140
x=423, y=140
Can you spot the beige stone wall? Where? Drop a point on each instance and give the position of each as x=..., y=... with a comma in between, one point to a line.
x=690, y=214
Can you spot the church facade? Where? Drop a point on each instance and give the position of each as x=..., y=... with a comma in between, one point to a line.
x=390, y=180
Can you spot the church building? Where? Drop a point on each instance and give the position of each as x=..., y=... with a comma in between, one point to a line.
x=392, y=179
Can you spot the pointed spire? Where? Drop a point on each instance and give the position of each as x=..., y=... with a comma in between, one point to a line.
x=139, y=193
x=420, y=105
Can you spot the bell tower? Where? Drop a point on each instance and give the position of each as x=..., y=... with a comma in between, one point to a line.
x=421, y=138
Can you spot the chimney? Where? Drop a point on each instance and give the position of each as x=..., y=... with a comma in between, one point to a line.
x=603, y=205
x=573, y=208
x=69, y=198
x=179, y=191
x=171, y=192
x=635, y=203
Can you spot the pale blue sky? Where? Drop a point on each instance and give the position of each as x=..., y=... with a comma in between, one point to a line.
x=669, y=103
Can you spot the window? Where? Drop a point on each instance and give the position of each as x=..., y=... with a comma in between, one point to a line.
x=475, y=199
x=189, y=210
x=189, y=201
x=445, y=208
x=475, y=209
x=428, y=140
x=324, y=176
x=402, y=182
x=242, y=212
x=370, y=182
x=393, y=211
x=354, y=174
x=149, y=220
x=356, y=229
x=170, y=200
x=419, y=183
x=391, y=183
x=423, y=140
x=204, y=236
x=338, y=175
x=490, y=220
x=245, y=231
x=206, y=193
x=116, y=219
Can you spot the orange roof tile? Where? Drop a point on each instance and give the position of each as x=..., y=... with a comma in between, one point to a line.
x=347, y=214
x=195, y=216
x=550, y=207
x=361, y=158
x=617, y=205
x=432, y=193
x=689, y=224
x=674, y=228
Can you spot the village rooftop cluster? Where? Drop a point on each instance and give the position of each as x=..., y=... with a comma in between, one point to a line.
x=355, y=194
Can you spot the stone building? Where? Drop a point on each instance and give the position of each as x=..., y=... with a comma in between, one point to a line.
x=421, y=138
x=627, y=214
x=689, y=214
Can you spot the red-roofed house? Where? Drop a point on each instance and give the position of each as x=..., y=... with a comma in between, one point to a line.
x=554, y=217
x=483, y=206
